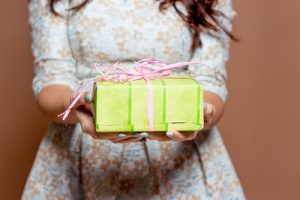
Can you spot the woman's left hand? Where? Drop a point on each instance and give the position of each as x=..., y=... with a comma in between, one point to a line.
x=209, y=114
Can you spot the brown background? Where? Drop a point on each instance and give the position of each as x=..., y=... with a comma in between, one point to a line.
x=260, y=124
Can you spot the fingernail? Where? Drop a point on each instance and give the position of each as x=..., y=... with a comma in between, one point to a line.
x=144, y=134
x=136, y=135
x=170, y=134
x=88, y=97
x=121, y=135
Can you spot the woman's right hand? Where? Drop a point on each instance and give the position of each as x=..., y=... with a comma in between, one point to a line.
x=84, y=112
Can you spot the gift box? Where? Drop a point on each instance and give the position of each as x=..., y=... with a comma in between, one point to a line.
x=175, y=103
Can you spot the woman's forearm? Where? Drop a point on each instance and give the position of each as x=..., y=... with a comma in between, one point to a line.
x=214, y=99
x=53, y=100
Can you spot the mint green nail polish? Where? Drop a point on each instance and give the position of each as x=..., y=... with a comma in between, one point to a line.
x=121, y=135
x=136, y=135
x=144, y=135
x=88, y=97
x=170, y=134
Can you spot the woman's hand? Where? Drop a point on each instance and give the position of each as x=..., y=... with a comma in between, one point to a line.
x=83, y=111
x=213, y=110
x=209, y=115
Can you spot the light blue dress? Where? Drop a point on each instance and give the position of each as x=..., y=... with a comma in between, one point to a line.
x=69, y=163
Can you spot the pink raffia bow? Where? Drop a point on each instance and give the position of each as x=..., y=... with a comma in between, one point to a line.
x=143, y=70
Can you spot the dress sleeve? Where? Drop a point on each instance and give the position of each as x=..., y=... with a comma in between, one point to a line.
x=53, y=60
x=213, y=54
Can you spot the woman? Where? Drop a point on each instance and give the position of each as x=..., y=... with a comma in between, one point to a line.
x=68, y=37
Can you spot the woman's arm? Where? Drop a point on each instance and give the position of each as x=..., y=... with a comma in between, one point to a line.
x=213, y=56
x=55, y=68
x=211, y=73
x=55, y=99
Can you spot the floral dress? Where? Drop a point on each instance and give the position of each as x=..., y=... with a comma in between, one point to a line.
x=69, y=163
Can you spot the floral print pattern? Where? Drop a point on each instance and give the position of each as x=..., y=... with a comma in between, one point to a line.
x=69, y=163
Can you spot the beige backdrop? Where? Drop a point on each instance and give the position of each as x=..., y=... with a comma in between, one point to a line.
x=260, y=126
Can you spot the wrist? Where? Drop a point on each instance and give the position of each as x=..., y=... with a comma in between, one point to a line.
x=66, y=102
x=55, y=99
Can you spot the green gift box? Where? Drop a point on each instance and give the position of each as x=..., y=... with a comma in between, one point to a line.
x=123, y=106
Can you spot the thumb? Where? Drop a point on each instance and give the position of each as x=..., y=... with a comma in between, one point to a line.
x=209, y=109
x=181, y=136
x=86, y=122
x=85, y=99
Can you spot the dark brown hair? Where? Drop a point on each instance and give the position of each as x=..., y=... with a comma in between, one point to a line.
x=200, y=15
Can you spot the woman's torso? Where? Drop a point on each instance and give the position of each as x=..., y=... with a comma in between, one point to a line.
x=107, y=31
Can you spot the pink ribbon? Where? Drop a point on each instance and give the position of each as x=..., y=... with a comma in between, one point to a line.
x=143, y=70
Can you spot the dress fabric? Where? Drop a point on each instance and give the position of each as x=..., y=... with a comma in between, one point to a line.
x=69, y=163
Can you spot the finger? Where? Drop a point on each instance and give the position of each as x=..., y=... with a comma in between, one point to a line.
x=121, y=136
x=117, y=137
x=127, y=140
x=88, y=102
x=181, y=136
x=208, y=123
x=113, y=135
x=209, y=109
x=207, y=120
x=91, y=108
x=159, y=136
x=86, y=122
x=134, y=137
x=85, y=99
